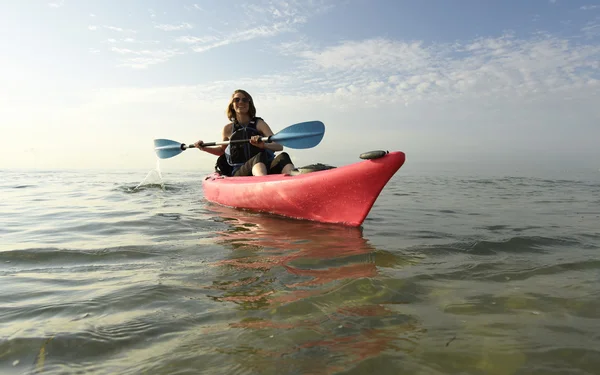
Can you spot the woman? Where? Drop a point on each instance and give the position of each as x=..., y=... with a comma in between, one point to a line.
x=254, y=158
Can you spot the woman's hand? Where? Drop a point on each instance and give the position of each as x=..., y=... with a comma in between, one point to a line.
x=199, y=144
x=256, y=140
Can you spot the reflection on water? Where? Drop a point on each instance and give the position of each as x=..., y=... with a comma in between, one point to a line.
x=308, y=292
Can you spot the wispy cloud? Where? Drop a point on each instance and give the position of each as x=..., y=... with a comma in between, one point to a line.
x=261, y=20
x=141, y=59
x=289, y=12
x=194, y=7
x=57, y=4
x=208, y=46
x=591, y=29
x=205, y=43
x=589, y=7
x=119, y=29
x=196, y=40
x=130, y=41
x=168, y=27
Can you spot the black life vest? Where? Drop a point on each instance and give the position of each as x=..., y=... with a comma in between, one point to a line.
x=239, y=153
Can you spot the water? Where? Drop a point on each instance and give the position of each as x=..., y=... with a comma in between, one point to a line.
x=451, y=273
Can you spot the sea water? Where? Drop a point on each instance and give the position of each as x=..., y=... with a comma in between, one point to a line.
x=453, y=272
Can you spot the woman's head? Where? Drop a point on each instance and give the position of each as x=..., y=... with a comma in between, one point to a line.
x=240, y=101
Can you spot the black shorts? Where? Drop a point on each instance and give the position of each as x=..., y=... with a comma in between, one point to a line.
x=274, y=167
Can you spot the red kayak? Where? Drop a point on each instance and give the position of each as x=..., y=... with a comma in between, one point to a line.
x=342, y=195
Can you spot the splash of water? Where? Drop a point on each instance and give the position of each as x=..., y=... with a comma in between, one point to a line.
x=154, y=177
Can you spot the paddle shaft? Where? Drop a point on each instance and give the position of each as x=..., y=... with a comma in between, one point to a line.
x=264, y=139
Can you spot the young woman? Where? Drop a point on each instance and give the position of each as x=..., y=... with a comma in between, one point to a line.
x=254, y=158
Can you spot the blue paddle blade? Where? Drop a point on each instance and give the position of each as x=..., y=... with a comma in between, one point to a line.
x=302, y=135
x=165, y=148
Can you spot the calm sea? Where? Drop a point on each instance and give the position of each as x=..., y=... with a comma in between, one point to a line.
x=452, y=273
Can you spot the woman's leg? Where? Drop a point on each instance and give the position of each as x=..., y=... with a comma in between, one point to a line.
x=256, y=166
x=259, y=169
x=281, y=164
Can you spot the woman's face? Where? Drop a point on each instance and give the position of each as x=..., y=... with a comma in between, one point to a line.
x=241, y=103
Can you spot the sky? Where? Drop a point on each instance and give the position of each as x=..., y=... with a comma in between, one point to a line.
x=90, y=84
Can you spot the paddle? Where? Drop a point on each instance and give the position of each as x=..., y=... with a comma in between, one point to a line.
x=302, y=135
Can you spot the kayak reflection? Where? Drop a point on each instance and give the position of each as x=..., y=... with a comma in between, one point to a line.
x=318, y=253
x=308, y=297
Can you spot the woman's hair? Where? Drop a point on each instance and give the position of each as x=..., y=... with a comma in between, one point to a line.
x=251, y=108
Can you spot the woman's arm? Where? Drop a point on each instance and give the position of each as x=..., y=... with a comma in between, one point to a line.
x=264, y=128
x=219, y=149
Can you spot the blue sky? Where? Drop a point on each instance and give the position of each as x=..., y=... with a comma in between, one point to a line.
x=90, y=84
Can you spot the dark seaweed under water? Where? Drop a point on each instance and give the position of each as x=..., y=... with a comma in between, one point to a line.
x=450, y=274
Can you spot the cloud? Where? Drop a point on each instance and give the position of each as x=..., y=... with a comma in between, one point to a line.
x=378, y=54
x=196, y=40
x=589, y=7
x=414, y=71
x=276, y=11
x=208, y=46
x=260, y=20
x=57, y=4
x=130, y=41
x=205, y=43
x=591, y=30
x=119, y=29
x=181, y=26
x=141, y=59
x=194, y=7
x=283, y=12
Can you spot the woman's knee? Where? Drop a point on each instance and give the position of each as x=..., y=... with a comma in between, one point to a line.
x=283, y=159
x=264, y=158
x=246, y=169
x=261, y=157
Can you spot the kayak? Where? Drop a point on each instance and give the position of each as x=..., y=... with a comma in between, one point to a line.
x=338, y=195
x=342, y=195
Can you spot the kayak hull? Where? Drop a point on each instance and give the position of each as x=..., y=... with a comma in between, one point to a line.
x=342, y=195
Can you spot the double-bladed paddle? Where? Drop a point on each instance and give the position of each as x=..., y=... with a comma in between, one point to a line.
x=302, y=135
